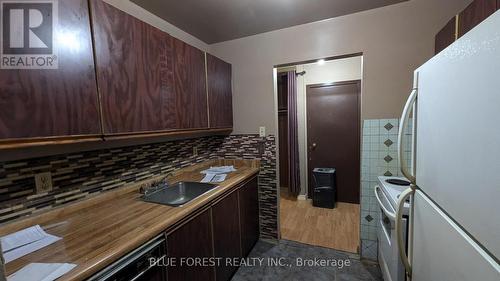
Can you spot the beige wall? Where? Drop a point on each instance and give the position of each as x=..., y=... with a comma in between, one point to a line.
x=331, y=71
x=394, y=41
x=140, y=13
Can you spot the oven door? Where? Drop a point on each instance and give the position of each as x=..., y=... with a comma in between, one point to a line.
x=389, y=260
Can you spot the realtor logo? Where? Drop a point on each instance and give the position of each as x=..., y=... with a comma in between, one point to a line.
x=27, y=34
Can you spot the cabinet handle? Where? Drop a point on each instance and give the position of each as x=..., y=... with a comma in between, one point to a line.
x=145, y=270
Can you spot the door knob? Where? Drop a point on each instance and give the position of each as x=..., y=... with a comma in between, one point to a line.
x=314, y=146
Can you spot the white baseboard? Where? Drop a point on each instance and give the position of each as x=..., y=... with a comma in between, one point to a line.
x=302, y=197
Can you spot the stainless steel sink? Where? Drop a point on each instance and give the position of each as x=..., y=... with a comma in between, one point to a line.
x=178, y=194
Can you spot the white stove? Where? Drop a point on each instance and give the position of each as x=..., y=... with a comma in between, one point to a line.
x=387, y=195
x=392, y=191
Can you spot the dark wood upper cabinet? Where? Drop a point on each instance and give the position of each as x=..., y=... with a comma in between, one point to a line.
x=226, y=226
x=134, y=71
x=190, y=98
x=474, y=14
x=191, y=240
x=249, y=215
x=54, y=102
x=446, y=36
x=220, y=93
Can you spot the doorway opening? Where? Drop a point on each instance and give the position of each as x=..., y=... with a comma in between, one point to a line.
x=328, y=135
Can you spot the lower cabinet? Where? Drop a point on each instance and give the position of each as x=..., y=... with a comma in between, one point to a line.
x=226, y=232
x=249, y=215
x=189, y=243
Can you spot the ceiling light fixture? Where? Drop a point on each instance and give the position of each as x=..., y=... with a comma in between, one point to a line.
x=321, y=62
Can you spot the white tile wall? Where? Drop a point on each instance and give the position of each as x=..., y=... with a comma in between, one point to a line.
x=379, y=157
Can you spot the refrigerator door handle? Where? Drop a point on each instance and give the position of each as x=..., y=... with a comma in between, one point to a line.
x=399, y=229
x=388, y=213
x=402, y=127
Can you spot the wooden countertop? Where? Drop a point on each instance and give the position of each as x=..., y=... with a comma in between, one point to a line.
x=98, y=231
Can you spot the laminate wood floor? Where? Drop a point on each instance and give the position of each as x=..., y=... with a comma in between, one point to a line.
x=331, y=228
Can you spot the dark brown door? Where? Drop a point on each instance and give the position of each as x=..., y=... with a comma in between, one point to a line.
x=55, y=102
x=192, y=240
x=220, y=94
x=190, y=101
x=227, y=244
x=474, y=14
x=134, y=70
x=249, y=215
x=333, y=132
x=446, y=36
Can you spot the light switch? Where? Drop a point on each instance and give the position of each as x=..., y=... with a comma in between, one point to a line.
x=262, y=132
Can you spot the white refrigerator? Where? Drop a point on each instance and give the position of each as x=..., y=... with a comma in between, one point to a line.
x=455, y=213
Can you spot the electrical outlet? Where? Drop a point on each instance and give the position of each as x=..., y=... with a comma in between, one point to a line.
x=262, y=132
x=195, y=151
x=43, y=182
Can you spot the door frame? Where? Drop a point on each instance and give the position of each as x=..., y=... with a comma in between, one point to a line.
x=274, y=86
x=340, y=83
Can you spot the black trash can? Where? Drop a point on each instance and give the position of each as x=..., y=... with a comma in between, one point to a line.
x=324, y=188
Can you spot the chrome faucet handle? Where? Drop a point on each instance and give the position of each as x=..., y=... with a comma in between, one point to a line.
x=155, y=186
x=165, y=179
x=145, y=190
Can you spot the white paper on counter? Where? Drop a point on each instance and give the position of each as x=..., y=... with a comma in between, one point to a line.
x=214, y=178
x=219, y=178
x=22, y=237
x=219, y=170
x=41, y=272
x=208, y=178
x=25, y=242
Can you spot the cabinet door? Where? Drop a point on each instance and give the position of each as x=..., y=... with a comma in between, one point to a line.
x=190, y=99
x=249, y=214
x=220, y=95
x=192, y=240
x=446, y=36
x=226, y=225
x=134, y=70
x=474, y=14
x=54, y=102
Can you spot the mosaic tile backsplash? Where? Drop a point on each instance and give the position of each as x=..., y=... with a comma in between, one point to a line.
x=379, y=158
x=79, y=175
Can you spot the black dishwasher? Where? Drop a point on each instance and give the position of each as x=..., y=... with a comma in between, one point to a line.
x=137, y=266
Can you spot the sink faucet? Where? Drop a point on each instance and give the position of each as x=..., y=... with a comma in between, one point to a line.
x=156, y=186
x=165, y=179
